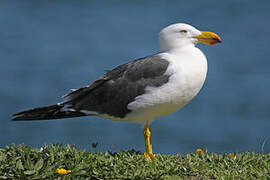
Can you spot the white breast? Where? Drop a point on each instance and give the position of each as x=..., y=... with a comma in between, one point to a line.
x=187, y=72
x=188, y=69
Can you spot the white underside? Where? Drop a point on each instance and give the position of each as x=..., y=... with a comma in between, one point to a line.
x=187, y=70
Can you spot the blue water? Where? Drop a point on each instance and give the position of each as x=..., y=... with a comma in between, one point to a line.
x=49, y=47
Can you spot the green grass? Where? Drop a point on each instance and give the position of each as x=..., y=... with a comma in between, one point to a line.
x=24, y=162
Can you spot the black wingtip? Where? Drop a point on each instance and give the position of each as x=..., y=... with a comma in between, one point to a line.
x=37, y=113
x=46, y=113
x=16, y=116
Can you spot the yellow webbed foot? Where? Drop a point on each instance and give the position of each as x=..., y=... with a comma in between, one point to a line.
x=149, y=156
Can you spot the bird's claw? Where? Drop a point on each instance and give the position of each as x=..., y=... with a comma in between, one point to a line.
x=149, y=156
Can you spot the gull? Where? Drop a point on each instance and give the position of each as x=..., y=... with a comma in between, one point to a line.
x=143, y=89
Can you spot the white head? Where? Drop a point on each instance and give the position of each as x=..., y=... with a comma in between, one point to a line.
x=182, y=35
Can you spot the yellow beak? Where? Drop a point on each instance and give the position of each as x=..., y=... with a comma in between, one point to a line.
x=208, y=38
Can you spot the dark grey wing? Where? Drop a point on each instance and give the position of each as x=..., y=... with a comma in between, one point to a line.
x=111, y=93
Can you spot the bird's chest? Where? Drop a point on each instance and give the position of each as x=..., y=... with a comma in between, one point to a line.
x=186, y=82
x=186, y=79
x=188, y=74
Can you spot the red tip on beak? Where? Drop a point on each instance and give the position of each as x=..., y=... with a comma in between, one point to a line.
x=216, y=39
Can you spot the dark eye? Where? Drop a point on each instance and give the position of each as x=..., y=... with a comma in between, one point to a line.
x=183, y=31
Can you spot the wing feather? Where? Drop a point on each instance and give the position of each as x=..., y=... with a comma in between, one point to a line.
x=111, y=93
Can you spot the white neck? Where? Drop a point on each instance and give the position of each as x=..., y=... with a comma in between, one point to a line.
x=175, y=44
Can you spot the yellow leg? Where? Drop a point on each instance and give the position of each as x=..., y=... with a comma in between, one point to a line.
x=148, y=146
